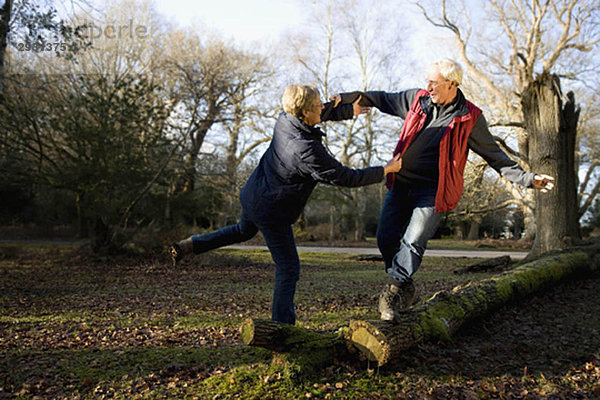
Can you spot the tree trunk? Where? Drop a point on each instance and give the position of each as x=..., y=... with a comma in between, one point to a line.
x=5, y=15
x=486, y=265
x=460, y=230
x=82, y=221
x=529, y=218
x=101, y=238
x=568, y=132
x=551, y=130
x=441, y=316
x=474, y=229
x=231, y=165
x=331, y=222
x=197, y=139
x=359, y=220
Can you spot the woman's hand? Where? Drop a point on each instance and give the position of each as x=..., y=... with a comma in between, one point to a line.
x=394, y=165
x=336, y=98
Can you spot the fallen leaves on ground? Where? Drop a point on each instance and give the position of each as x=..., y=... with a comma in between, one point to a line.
x=73, y=325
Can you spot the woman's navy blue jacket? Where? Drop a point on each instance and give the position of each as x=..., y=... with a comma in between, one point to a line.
x=294, y=163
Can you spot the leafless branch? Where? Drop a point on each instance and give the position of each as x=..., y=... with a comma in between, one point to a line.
x=588, y=202
x=507, y=148
x=500, y=206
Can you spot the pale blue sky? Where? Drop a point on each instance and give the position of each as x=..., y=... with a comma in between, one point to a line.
x=242, y=20
x=246, y=21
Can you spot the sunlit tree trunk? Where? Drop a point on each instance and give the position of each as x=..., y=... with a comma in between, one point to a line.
x=552, y=129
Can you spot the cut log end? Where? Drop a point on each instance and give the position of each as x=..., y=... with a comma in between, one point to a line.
x=367, y=344
x=370, y=339
x=262, y=333
x=247, y=332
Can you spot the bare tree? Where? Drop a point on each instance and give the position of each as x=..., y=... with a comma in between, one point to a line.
x=204, y=73
x=368, y=29
x=348, y=48
x=541, y=41
x=589, y=150
x=29, y=25
x=243, y=121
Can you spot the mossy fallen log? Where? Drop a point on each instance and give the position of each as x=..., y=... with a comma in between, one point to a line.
x=438, y=319
x=308, y=349
x=447, y=311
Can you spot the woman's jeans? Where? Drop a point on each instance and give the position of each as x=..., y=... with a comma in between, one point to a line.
x=406, y=223
x=281, y=244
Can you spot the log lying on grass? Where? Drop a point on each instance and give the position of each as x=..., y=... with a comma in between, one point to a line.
x=446, y=312
x=307, y=347
x=496, y=263
x=437, y=319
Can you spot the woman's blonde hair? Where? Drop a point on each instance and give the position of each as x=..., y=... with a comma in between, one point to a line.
x=297, y=98
x=449, y=69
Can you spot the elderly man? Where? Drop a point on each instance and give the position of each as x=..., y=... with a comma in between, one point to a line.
x=440, y=126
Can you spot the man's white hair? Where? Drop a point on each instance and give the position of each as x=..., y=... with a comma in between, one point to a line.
x=449, y=69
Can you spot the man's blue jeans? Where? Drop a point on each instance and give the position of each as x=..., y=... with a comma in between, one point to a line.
x=406, y=223
x=281, y=244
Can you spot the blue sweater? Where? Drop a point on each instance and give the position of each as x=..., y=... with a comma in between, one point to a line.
x=294, y=163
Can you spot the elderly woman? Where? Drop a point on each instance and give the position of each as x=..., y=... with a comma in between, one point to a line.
x=278, y=189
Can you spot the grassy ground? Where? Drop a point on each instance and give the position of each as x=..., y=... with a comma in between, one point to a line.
x=77, y=326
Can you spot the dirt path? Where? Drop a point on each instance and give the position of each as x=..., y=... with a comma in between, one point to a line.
x=515, y=255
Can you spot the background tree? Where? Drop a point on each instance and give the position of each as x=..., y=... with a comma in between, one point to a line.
x=481, y=196
x=204, y=74
x=97, y=137
x=347, y=49
x=535, y=43
x=243, y=123
x=27, y=23
x=588, y=146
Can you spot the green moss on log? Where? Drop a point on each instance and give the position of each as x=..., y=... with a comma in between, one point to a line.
x=441, y=316
x=306, y=349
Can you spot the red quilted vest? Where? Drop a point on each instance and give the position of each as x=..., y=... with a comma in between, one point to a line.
x=453, y=150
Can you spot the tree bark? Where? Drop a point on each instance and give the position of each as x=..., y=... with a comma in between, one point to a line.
x=460, y=230
x=441, y=316
x=309, y=349
x=5, y=15
x=331, y=222
x=551, y=130
x=191, y=157
x=474, y=229
x=359, y=220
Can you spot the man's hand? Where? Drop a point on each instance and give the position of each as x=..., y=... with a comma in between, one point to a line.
x=358, y=109
x=543, y=182
x=394, y=165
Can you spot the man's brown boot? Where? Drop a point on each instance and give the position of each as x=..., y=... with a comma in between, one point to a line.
x=396, y=297
x=179, y=249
